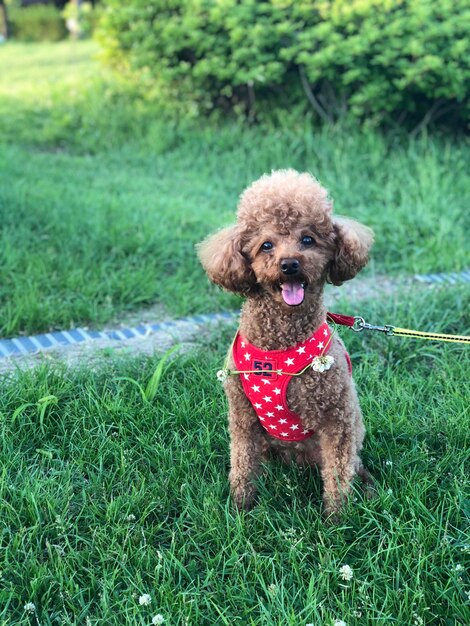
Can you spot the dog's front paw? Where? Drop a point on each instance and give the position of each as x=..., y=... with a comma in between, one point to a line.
x=243, y=501
x=332, y=512
x=243, y=495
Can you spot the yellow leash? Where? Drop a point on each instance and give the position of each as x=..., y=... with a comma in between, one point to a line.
x=405, y=332
x=360, y=324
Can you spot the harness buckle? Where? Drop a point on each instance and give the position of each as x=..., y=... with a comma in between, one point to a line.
x=360, y=324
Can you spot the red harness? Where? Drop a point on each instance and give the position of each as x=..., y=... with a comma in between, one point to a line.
x=266, y=386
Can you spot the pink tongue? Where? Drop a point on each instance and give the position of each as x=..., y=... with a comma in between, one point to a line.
x=293, y=293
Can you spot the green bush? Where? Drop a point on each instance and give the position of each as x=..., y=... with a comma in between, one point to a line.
x=393, y=59
x=39, y=22
x=377, y=60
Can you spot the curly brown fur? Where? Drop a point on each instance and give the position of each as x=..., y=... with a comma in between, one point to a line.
x=290, y=214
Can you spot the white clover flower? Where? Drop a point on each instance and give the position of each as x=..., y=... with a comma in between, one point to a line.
x=30, y=607
x=339, y=622
x=346, y=572
x=458, y=568
x=158, y=619
x=145, y=599
x=222, y=375
x=131, y=517
x=322, y=363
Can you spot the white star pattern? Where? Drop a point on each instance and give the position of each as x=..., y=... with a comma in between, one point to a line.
x=272, y=410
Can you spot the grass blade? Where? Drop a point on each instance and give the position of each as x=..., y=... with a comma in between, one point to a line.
x=152, y=385
x=43, y=404
x=134, y=382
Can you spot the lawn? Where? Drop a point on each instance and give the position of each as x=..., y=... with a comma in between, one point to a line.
x=104, y=200
x=108, y=497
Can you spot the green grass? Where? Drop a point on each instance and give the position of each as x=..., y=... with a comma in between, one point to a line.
x=105, y=196
x=107, y=496
x=112, y=489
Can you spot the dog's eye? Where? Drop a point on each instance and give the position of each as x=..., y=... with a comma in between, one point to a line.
x=267, y=246
x=307, y=241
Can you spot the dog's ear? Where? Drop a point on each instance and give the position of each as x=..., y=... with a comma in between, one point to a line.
x=352, y=244
x=221, y=255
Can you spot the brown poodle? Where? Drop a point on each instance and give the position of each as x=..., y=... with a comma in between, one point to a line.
x=288, y=377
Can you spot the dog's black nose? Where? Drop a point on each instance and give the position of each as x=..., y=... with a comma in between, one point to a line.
x=290, y=266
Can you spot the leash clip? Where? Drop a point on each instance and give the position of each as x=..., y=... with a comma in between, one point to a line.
x=360, y=324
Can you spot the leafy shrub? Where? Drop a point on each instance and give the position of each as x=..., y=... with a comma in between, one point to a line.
x=39, y=22
x=392, y=59
x=208, y=53
x=377, y=60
